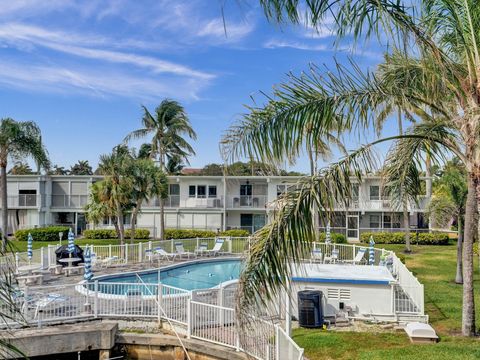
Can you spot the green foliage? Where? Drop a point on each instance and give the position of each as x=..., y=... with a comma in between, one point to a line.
x=245, y=169
x=235, y=233
x=42, y=234
x=188, y=234
x=399, y=238
x=82, y=167
x=21, y=168
x=111, y=234
x=336, y=238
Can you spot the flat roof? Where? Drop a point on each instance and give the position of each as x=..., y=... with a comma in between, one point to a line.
x=343, y=273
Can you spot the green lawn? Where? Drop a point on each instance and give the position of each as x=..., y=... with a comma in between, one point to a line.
x=435, y=268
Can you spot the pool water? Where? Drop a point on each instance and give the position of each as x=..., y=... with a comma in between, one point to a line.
x=202, y=275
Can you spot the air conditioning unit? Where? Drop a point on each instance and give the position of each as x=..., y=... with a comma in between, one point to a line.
x=310, y=310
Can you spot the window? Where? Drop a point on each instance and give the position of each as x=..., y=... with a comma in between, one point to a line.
x=246, y=190
x=192, y=191
x=391, y=221
x=212, y=191
x=174, y=189
x=387, y=221
x=374, y=221
x=374, y=192
x=355, y=192
x=201, y=191
x=284, y=188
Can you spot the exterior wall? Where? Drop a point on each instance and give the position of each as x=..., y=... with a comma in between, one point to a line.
x=69, y=194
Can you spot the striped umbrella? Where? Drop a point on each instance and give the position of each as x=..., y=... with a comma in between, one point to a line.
x=30, y=247
x=88, y=274
x=371, y=258
x=71, y=242
x=328, y=238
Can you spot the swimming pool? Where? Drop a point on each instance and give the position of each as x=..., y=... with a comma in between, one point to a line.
x=191, y=276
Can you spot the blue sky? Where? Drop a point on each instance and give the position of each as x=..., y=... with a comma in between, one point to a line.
x=82, y=69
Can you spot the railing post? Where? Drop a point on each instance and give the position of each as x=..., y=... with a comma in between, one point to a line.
x=41, y=258
x=150, y=245
x=17, y=261
x=95, y=301
x=197, y=243
x=171, y=246
x=109, y=250
x=126, y=252
x=189, y=318
x=229, y=245
x=140, y=252
x=353, y=249
x=49, y=254
x=160, y=302
x=277, y=343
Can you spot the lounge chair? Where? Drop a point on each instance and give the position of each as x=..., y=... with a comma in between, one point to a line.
x=51, y=302
x=201, y=249
x=181, y=251
x=316, y=256
x=161, y=254
x=333, y=258
x=216, y=248
x=359, y=258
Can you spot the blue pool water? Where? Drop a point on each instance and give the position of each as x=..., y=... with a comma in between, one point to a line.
x=202, y=275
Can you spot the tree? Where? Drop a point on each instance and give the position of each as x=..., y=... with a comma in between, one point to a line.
x=116, y=187
x=18, y=140
x=448, y=203
x=20, y=168
x=432, y=71
x=168, y=126
x=174, y=165
x=82, y=167
x=58, y=170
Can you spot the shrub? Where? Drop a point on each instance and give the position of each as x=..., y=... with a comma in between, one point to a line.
x=336, y=238
x=112, y=234
x=235, y=233
x=49, y=233
x=188, y=234
x=399, y=238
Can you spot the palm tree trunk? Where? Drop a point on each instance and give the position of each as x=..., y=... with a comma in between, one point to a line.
x=133, y=221
x=471, y=227
x=459, y=275
x=161, y=200
x=121, y=227
x=406, y=226
x=4, y=211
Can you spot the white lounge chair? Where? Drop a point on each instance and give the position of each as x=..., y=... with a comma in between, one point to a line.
x=216, y=248
x=316, y=256
x=50, y=302
x=181, y=251
x=333, y=258
x=162, y=254
x=201, y=249
x=359, y=258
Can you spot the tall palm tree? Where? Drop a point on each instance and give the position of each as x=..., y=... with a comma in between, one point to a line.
x=439, y=76
x=82, y=167
x=18, y=139
x=148, y=182
x=168, y=126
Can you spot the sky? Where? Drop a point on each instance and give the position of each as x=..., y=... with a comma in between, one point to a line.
x=81, y=70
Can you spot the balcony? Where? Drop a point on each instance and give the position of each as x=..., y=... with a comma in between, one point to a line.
x=381, y=205
x=23, y=201
x=174, y=201
x=247, y=201
x=69, y=201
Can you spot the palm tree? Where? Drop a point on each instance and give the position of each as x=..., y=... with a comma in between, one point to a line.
x=168, y=127
x=58, y=170
x=448, y=203
x=82, y=167
x=117, y=185
x=18, y=140
x=20, y=168
x=437, y=75
x=148, y=182
x=174, y=165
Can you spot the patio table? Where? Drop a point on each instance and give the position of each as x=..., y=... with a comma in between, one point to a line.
x=69, y=261
x=29, y=268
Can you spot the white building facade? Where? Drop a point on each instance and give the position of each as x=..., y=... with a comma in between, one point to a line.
x=200, y=202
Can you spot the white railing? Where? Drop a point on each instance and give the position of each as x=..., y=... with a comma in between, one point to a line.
x=285, y=348
x=69, y=201
x=410, y=286
x=247, y=201
x=175, y=201
x=24, y=201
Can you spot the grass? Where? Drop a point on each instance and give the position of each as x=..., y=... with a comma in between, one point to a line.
x=22, y=245
x=435, y=268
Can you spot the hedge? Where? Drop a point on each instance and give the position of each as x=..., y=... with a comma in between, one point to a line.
x=112, y=234
x=335, y=237
x=235, y=233
x=399, y=238
x=49, y=233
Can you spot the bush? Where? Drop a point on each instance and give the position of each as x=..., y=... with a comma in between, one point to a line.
x=336, y=238
x=112, y=234
x=49, y=233
x=399, y=238
x=235, y=233
x=188, y=234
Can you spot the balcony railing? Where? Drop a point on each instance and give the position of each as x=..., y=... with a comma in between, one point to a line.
x=381, y=205
x=247, y=201
x=174, y=201
x=23, y=201
x=69, y=201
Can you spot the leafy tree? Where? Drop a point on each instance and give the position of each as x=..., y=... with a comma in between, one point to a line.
x=82, y=167
x=448, y=203
x=169, y=127
x=58, y=170
x=212, y=170
x=145, y=151
x=17, y=140
x=21, y=168
x=431, y=73
x=174, y=165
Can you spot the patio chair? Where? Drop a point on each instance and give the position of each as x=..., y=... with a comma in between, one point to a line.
x=201, y=249
x=161, y=254
x=332, y=258
x=50, y=302
x=316, y=256
x=216, y=248
x=359, y=258
x=181, y=251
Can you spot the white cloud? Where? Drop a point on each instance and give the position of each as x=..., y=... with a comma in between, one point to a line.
x=227, y=32
x=275, y=44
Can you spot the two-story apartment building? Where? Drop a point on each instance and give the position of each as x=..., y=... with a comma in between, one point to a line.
x=199, y=202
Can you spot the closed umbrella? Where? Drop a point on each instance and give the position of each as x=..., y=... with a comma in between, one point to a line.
x=30, y=247
x=328, y=238
x=71, y=242
x=371, y=258
x=88, y=274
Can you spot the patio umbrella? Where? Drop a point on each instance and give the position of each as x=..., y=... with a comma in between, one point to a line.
x=88, y=265
x=371, y=258
x=328, y=238
x=71, y=242
x=29, y=247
